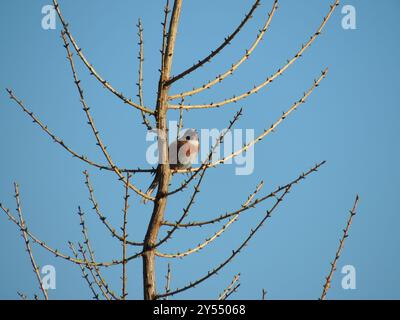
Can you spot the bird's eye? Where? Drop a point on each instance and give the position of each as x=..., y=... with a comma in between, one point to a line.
x=187, y=138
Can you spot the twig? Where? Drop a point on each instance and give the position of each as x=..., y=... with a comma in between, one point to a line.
x=146, y=121
x=235, y=66
x=264, y=293
x=27, y=245
x=61, y=142
x=94, y=269
x=84, y=273
x=216, y=235
x=230, y=289
x=22, y=295
x=168, y=280
x=257, y=88
x=92, y=125
x=271, y=129
x=234, y=252
x=125, y=211
x=103, y=218
x=92, y=70
x=213, y=53
x=328, y=281
x=249, y=206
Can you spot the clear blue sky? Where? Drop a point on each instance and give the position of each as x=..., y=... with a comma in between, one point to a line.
x=351, y=121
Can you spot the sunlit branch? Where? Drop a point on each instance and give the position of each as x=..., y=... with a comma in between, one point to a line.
x=271, y=78
x=139, y=84
x=24, y=229
x=250, y=205
x=84, y=273
x=62, y=143
x=215, y=52
x=233, y=286
x=234, y=252
x=270, y=129
x=125, y=235
x=216, y=235
x=99, y=279
x=92, y=70
x=328, y=281
x=101, y=216
x=235, y=66
x=92, y=125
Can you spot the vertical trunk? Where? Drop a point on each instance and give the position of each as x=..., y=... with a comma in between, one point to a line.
x=149, y=270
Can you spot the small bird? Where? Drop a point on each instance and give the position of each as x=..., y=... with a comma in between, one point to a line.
x=182, y=154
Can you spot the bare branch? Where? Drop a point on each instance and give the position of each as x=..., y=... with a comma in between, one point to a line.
x=103, y=218
x=61, y=255
x=94, y=269
x=92, y=272
x=84, y=273
x=264, y=293
x=27, y=245
x=234, y=252
x=216, y=235
x=268, y=80
x=213, y=53
x=164, y=34
x=92, y=70
x=126, y=207
x=328, y=281
x=62, y=143
x=273, y=126
x=230, y=289
x=92, y=125
x=235, y=66
x=250, y=205
x=168, y=280
x=146, y=121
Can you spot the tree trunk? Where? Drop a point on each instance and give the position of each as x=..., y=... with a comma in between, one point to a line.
x=149, y=269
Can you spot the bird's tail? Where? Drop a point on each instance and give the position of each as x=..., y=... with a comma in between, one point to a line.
x=152, y=187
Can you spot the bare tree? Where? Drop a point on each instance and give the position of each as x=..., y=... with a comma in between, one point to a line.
x=156, y=118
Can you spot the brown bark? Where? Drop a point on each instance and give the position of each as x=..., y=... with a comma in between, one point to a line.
x=149, y=270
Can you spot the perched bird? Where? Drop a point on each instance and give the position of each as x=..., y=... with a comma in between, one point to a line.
x=182, y=154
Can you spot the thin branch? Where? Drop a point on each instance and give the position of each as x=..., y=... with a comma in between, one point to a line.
x=92, y=70
x=95, y=269
x=146, y=121
x=235, y=66
x=268, y=80
x=234, y=252
x=62, y=143
x=61, y=255
x=84, y=273
x=328, y=281
x=125, y=236
x=215, y=52
x=27, y=245
x=101, y=216
x=264, y=294
x=168, y=280
x=216, y=235
x=92, y=125
x=273, y=126
x=93, y=273
x=22, y=295
x=250, y=205
x=230, y=289
x=165, y=34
